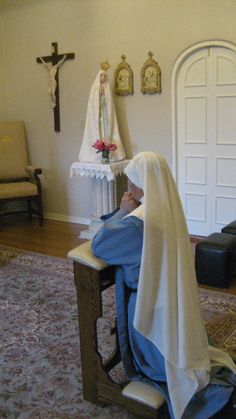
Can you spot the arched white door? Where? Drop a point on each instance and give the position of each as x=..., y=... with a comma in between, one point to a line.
x=206, y=138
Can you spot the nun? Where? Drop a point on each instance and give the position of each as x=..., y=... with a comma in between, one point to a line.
x=161, y=332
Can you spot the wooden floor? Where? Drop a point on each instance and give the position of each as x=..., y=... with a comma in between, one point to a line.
x=55, y=238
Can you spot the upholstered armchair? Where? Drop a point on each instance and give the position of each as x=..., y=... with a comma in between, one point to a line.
x=18, y=180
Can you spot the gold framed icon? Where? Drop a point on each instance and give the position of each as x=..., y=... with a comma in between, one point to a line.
x=150, y=76
x=124, y=78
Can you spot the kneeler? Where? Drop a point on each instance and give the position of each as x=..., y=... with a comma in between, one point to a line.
x=92, y=276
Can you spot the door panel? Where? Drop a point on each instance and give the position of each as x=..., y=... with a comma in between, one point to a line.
x=206, y=121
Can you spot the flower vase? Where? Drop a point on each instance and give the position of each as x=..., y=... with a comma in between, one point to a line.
x=105, y=157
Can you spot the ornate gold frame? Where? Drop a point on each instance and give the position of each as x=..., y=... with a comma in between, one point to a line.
x=150, y=76
x=124, y=78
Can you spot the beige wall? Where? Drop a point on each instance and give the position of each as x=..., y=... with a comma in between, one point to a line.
x=95, y=30
x=2, y=68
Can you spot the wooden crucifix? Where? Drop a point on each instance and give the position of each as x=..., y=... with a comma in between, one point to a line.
x=52, y=64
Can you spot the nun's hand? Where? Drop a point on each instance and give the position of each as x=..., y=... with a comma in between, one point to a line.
x=128, y=203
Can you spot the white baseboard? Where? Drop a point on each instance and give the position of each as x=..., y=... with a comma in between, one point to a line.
x=67, y=218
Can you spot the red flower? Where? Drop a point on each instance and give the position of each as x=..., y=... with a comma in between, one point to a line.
x=112, y=147
x=100, y=145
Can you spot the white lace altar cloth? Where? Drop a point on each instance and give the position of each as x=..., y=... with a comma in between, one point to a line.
x=98, y=170
x=106, y=189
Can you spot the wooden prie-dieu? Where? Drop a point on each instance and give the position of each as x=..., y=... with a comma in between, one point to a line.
x=92, y=276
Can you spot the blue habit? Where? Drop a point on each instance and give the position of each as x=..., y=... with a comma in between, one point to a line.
x=119, y=242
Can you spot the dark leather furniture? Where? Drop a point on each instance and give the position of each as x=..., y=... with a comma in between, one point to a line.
x=230, y=228
x=215, y=260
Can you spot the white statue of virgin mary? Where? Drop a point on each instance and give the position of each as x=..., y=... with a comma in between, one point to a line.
x=101, y=121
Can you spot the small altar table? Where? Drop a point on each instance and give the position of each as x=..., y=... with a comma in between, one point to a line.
x=108, y=185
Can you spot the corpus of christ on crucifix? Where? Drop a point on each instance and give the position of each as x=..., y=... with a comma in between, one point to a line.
x=52, y=63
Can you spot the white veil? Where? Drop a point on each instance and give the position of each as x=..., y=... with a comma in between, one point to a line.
x=91, y=132
x=167, y=309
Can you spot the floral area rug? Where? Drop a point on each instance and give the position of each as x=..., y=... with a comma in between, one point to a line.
x=40, y=369
x=219, y=312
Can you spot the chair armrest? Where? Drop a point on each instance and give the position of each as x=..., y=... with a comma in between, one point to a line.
x=34, y=170
x=84, y=255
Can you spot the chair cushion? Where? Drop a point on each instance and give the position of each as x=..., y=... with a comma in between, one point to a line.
x=17, y=190
x=13, y=151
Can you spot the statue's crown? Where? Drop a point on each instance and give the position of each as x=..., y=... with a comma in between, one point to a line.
x=105, y=65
